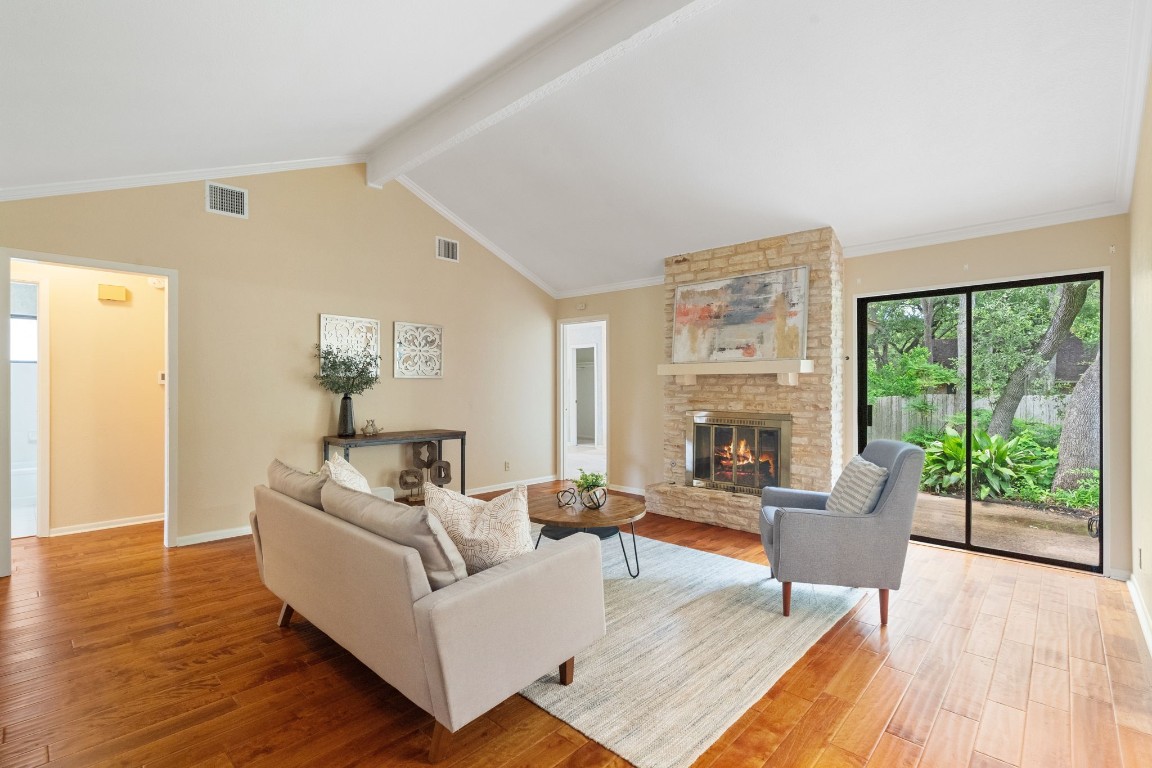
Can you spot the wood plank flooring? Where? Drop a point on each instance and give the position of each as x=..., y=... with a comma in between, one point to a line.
x=115, y=651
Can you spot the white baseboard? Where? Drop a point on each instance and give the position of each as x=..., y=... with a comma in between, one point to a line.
x=68, y=530
x=1141, y=612
x=510, y=484
x=1114, y=573
x=201, y=538
x=626, y=489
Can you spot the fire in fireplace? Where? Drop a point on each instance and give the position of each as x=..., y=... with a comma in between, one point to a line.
x=738, y=452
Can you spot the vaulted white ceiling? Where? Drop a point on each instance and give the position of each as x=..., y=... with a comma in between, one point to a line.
x=585, y=140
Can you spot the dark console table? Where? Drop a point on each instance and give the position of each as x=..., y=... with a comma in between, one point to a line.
x=437, y=436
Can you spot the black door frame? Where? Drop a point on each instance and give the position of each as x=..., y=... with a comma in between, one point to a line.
x=862, y=415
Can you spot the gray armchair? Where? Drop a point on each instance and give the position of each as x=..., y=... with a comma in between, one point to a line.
x=807, y=543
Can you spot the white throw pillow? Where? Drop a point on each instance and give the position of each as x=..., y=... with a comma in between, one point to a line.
x=858, y=488
x=345, y=474
x=486, y=532
x=411, y=526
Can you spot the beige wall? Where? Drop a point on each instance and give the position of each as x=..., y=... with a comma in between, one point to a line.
x=1082, y=246
x=1140, y=214
x=635, y=347
x=107, y=405
x=250, y=293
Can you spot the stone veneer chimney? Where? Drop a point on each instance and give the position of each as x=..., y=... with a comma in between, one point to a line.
x=814, y=403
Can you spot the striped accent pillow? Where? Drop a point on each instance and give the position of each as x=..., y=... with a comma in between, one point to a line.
x=858, y=488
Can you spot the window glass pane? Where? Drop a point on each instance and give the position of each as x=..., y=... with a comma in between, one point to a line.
x=22, y=340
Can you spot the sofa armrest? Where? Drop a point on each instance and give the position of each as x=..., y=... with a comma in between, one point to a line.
x=256, y=543
x=488, y=636
x=772, y=496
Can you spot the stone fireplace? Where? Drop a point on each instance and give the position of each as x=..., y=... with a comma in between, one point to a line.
x=808, y=402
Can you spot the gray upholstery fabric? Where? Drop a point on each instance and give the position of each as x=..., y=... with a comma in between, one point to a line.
x=812, y=545
x=301, y=486
x=413, y=527
x=456, y=652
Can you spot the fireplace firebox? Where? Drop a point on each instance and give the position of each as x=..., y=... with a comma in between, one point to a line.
x=736, y=451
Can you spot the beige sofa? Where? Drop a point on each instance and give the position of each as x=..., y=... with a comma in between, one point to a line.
x=455, y=652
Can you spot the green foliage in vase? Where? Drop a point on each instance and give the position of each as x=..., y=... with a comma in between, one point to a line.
x=347, y=373
x=589, y=480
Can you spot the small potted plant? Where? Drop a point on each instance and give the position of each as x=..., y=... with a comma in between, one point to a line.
x=592, y=488
x=347, y=373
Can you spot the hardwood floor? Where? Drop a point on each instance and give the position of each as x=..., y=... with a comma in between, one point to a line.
x=115, y=651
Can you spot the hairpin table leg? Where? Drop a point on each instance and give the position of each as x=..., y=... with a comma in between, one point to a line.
x=635, y=553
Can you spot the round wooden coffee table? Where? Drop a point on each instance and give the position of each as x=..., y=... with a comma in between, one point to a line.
x=606, y=522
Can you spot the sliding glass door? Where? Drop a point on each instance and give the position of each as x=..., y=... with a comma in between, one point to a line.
x=1001, y=385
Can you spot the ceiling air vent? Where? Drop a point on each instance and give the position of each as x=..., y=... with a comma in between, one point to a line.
x=229, y=201
x=446, y=249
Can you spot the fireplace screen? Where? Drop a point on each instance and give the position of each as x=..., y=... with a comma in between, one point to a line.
x=740, y=452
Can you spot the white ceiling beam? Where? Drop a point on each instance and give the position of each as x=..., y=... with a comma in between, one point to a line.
x=597, y=40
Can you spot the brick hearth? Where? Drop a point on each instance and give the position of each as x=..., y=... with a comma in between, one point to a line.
x=815, y=403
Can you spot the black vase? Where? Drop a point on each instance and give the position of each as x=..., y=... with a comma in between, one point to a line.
x=346, y=427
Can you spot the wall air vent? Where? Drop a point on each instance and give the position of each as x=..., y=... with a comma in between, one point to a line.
x=446, y=249
x=229, y=201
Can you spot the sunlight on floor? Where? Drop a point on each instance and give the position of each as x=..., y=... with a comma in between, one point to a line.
x=590, y=458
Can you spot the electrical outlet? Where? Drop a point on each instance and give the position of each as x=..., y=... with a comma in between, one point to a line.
x=507, y=466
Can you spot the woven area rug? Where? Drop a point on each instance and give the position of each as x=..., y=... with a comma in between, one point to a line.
x=692, y=644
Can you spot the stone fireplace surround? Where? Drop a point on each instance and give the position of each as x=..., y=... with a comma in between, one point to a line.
x=814, y=402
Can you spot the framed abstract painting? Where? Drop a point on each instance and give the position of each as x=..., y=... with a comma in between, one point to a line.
x=762, y=316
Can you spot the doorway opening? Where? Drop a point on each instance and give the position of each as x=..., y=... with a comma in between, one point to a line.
x=1001, y=385
x=24, y=356
x=583, y=397
x=111, y=386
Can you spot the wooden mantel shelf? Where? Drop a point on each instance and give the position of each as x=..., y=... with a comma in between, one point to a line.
x=787, y=371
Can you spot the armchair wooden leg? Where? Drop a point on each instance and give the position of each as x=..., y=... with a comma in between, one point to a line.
x=441, y=741
x=787, y=598
x=285, y=616
x=567, y=671
x=883, y=607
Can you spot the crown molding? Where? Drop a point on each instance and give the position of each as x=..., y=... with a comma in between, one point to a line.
x=474, y=233
x=1069, y=216
x=1135, y=87
x=176, y=177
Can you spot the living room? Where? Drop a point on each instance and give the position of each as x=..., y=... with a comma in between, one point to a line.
x=324, y=240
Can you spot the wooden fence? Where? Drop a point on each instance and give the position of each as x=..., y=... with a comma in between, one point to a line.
x=892, y=417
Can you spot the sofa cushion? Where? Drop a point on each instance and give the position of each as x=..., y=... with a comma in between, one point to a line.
x=858, y=487
x=340, y=471
x=486, y=532
x=410, y=526
x=301, y=486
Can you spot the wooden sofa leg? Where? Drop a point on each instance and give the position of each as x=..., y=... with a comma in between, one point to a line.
x=883, y=607
x=441, y=740
x=787, y=598
x=568, y=671
x=285, y=616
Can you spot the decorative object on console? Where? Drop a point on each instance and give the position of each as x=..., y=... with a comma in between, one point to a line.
x=347, y=372
x=762, y=316
x=419, y=352
x=370, y=427
x=427, y=467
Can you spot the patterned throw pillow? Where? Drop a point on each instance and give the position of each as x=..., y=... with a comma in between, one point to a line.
x=858, y=488
x=486, y=532
x=343, y=473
